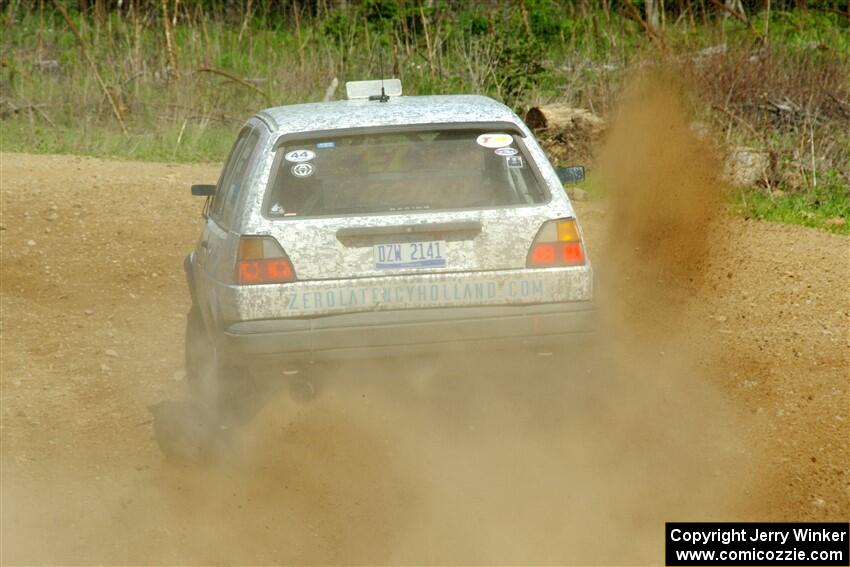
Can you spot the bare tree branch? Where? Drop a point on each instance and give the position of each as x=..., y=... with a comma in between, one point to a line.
x=650, y=31
x=738, y=16
x=115, y=110
x=233, y=78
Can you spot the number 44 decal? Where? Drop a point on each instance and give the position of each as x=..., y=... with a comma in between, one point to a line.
x=298, y=156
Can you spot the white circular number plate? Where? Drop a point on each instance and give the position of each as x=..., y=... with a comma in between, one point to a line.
x=298, y=156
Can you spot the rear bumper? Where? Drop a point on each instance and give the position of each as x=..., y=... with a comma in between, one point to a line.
x=408, y=332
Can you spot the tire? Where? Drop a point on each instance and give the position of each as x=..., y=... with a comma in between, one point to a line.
x=200, y=360
x=228, y=390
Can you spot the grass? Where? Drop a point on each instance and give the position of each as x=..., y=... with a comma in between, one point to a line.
x=197, y=144
x=51, y=101
x=822, y=208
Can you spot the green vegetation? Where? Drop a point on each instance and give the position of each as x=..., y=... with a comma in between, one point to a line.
x=827, y=207
x=775, y=79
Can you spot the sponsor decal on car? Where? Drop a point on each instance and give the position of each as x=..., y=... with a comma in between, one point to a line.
x=415, y=295
x=495, y=140
x=302, y=170
x=506, y=152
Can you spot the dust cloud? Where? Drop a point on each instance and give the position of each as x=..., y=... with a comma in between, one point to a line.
x=496, y=458
x=511, y=457
x=665, y=205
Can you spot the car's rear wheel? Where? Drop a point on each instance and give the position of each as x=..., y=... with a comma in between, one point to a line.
x=226, y=388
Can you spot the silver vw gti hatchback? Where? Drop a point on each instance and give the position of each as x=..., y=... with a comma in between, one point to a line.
x=381, y=226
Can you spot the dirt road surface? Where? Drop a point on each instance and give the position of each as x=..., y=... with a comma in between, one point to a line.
x=740, y=415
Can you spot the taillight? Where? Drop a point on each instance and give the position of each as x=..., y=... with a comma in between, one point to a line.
x=557, y=244
x=261, y=260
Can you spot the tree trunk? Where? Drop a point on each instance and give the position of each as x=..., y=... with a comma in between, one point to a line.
x=734, y=7
x=170, y=47
x=652, y=14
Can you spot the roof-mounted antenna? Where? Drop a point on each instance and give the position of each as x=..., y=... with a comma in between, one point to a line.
x=383, y=97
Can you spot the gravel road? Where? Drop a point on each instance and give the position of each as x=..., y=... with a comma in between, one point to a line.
x=734, y=409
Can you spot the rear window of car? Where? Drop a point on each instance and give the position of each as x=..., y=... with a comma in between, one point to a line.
x=400, y=171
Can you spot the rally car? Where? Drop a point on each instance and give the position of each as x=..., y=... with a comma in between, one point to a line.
x=382, y=225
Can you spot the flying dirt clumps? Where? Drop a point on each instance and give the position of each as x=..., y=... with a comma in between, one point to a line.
x=665, y=195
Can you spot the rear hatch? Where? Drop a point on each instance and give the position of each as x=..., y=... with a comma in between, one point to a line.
x=373, y=203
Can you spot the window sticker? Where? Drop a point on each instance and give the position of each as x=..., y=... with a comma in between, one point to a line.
x=507, y=152
x=494, y=140
x=323, y=145
x=514, y=161
x=302, y=170
x=299, y=156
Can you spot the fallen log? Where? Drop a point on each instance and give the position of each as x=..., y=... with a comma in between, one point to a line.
x=562, y=117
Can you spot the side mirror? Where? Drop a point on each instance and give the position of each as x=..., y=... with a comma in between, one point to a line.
x=570, y=174
x=203, y=190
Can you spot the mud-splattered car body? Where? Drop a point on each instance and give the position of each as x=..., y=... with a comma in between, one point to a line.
x=281, y=279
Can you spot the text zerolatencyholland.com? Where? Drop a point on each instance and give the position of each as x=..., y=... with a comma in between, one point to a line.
x=757, y=544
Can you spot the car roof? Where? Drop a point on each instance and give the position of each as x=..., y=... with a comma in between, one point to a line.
x=403, y=110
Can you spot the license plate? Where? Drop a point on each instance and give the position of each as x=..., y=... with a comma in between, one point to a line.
x=427, y=254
